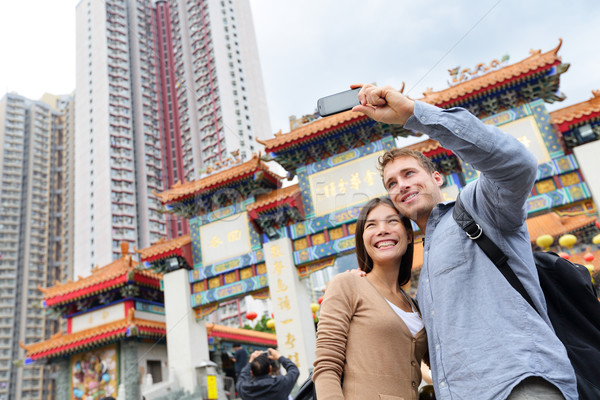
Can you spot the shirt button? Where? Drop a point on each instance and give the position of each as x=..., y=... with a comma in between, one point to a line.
x=457, y=130
x=443, y=384
x=414, y=340
x=423, y=119
x=427, y=280
x=414, y=384
x=437, y=346
x=413, y=363
x=432, y=312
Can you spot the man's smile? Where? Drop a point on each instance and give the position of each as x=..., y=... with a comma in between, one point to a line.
x=408, y=197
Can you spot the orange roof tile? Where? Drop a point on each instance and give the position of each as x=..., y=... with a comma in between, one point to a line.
x=164, y=246
x=69, y=343
x=274, y=197
x=425, y=146
x=321, y=125
x=554, y=225
x=181, y=190
x=101, y=279
x=577, y=111
x=504, y=75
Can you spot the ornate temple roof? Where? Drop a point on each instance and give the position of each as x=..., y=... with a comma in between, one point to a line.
x=246, y=170
x=62, y=344
x=241, y=335
x=314, y=129
x=289, y=195
x=115, y=274
x=493, y=80
x=554, y=225
x=566, y=117
x=164, y=248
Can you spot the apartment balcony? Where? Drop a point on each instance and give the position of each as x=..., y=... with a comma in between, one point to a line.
x=123, y=211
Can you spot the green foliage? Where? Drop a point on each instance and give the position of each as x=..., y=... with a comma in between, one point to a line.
x=261, y=325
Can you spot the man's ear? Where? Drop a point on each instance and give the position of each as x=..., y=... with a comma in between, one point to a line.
x=438, y=178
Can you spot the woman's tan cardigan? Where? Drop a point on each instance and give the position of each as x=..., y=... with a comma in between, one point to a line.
x=360, y=336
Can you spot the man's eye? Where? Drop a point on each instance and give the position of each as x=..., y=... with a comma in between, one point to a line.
x=391, y=185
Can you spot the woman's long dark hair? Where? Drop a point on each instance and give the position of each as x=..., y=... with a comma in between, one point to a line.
x=365, y=263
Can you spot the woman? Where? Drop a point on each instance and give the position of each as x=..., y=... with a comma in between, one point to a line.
x=370, y=331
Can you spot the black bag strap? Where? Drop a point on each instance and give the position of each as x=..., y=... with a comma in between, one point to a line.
x=476, y=234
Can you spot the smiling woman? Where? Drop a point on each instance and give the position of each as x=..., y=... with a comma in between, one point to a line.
x=377, y=214
x=369, y=329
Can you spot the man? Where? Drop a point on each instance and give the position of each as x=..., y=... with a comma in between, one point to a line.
x=485, y=341
x=256, y=382
x=240, y=358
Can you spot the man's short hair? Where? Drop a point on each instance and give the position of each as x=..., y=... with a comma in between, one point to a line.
x=394, y=154
x=260, y=365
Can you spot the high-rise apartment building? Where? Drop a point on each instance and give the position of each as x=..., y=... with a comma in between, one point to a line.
x=165, y=89
x=36, y=223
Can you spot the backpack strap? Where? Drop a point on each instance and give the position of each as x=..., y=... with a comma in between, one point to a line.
x=476, y=234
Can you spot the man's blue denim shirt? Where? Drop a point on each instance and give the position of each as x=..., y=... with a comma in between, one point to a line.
x=484, y=338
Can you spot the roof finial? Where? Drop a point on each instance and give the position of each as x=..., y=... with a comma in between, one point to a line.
x=124, y=248
x=560, y=42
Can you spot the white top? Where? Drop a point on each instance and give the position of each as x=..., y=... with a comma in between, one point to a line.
x=412, y=319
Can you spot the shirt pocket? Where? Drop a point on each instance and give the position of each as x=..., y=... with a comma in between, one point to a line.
x=447, y=249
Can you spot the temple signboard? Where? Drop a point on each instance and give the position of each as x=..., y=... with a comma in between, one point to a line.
x=225, y=238
x=351, y=183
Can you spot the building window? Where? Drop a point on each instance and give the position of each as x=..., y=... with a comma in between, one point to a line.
x=154, y=369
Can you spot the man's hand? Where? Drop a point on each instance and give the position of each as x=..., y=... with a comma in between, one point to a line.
x=357, y=271
x=273, y=354
x=384, y=104
x=255, y=354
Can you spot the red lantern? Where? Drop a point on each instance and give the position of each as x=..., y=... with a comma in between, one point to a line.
x=589, y=257
x=564, y=255
x=251, y=315
x=320, y=299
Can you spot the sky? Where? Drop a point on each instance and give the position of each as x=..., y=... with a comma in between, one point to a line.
x=312, y=48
